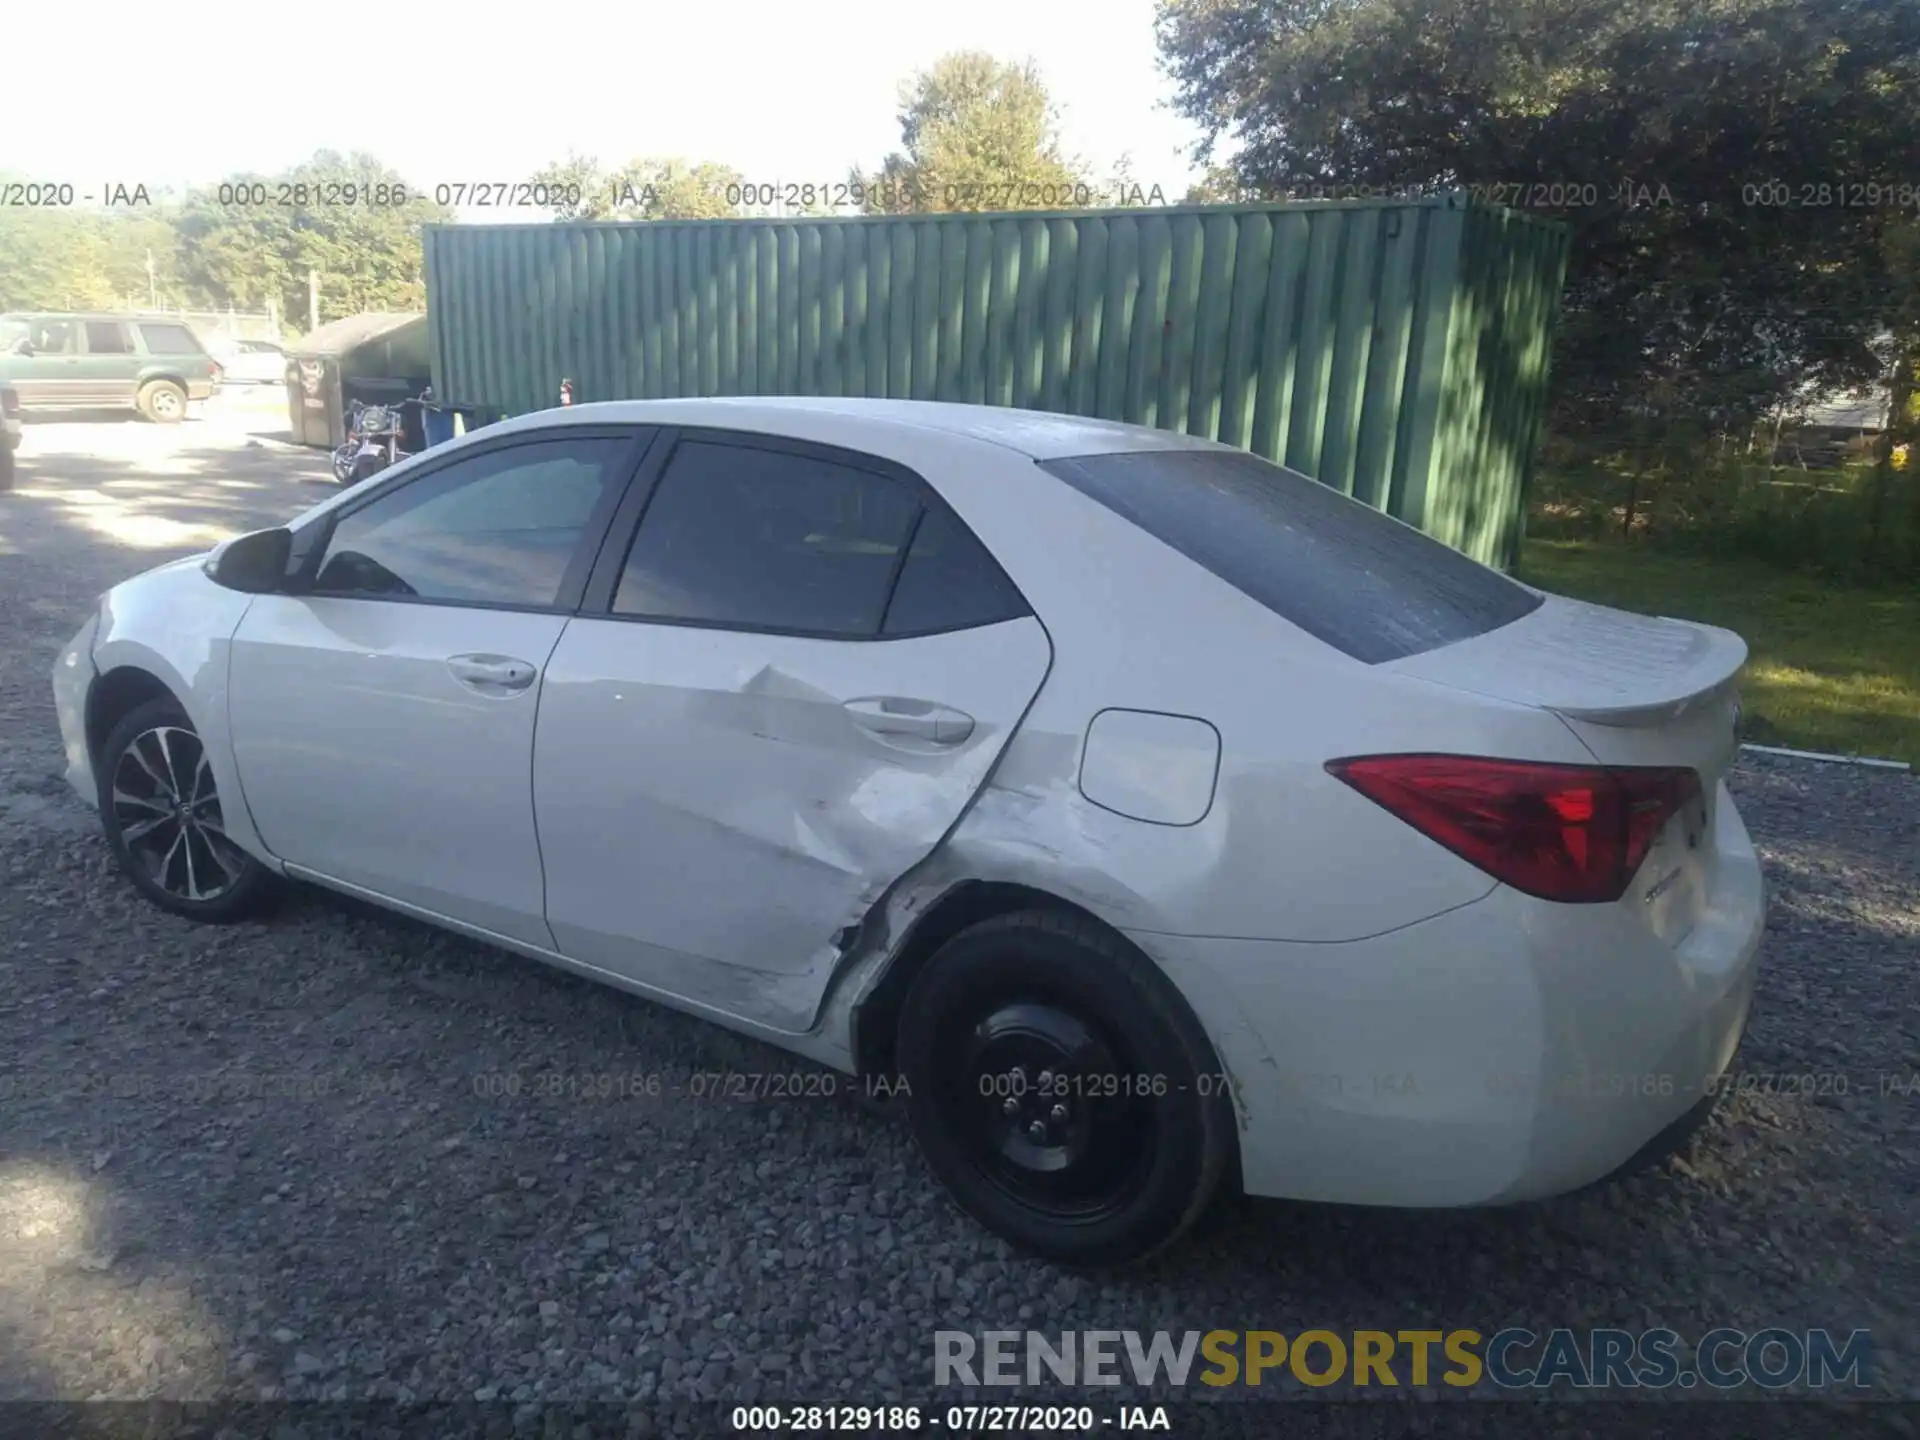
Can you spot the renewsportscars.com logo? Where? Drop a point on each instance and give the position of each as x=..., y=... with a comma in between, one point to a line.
x=1509, y=1359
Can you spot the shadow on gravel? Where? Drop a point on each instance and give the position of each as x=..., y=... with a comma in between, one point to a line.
x=181, y=500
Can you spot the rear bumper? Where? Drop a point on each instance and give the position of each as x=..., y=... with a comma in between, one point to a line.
x=1506, y=1050
x=201, y=389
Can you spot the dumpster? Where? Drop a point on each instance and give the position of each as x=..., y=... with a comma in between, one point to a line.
x=379, y=358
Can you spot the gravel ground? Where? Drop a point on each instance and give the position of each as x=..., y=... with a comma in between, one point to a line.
x=265, y=1161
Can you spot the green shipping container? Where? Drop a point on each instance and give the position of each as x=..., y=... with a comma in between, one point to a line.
x=1396, y=351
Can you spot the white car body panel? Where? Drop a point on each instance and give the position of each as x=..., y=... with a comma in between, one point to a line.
x=1401, y=1029
x=722, y=765
x=175, y=624
x=364, y=760
x=1485, y=1055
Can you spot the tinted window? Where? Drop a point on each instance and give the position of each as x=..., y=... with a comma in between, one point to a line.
x=1337, y=568
x=107, y=337
x=501, y=528
x=169, y=340
x=768, y=540
x=949, y=582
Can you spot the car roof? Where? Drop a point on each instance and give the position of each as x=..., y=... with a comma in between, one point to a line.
x=1040, y=434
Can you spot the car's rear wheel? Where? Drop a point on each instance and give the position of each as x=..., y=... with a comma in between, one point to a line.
x=1062, y=1091
x=163, y=402
x=163, y=816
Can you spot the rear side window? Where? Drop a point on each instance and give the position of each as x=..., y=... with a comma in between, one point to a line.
x=1366, y=584
x=107, y=337
x=767, y=540
x=949, y=582
x=169, y=340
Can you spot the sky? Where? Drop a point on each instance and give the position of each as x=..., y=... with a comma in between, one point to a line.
x=782, y=92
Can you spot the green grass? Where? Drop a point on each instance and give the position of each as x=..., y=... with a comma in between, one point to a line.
x=1831, y=668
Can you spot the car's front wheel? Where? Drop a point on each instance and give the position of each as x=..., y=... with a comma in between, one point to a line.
x=1062, y=1091
x=164, y=818
x=163, y=402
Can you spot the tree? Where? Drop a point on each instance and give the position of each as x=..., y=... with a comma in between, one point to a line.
x=976, y=133
x=254, y=238
x=84, y=257
x=1730, y=167
x=579, y=188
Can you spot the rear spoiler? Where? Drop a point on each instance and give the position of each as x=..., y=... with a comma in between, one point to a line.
x=1591, y=663
x=1653, y=713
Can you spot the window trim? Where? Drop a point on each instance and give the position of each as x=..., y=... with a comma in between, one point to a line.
x=611, y=563
x=624, y=467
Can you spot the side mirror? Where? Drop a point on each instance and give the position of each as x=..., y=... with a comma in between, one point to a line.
x=253, y=564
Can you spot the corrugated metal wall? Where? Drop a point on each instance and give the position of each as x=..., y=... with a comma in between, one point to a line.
x=1396, y=351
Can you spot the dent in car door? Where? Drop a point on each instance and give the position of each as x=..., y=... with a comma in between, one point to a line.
x=719, y=801
x=715, y=806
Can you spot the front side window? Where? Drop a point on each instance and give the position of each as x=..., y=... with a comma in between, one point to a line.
x=107, y=337
x=53, y=337
x=768, y=540
x=169, y=339
x=502, y=528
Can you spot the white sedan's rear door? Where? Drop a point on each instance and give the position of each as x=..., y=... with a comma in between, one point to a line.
x=807, y=670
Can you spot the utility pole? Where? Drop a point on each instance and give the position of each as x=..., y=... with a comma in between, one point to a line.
x=313, y=300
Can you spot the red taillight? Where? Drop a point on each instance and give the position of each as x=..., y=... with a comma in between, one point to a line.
x=1574, y=833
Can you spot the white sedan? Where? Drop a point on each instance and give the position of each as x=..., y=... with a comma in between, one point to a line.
x=1163, y=820
x=251, y=362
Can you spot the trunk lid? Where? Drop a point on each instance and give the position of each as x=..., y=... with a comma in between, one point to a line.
x=1635, y=690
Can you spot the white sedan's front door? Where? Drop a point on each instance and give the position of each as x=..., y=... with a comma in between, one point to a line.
x=808, y=670
x=388, y=746
x=383, y=724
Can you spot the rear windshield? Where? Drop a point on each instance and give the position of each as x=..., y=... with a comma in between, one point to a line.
x=1342, y=571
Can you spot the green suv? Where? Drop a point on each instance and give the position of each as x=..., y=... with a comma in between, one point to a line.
x=93, y=362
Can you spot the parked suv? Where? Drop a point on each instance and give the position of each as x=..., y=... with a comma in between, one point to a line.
x=88, y=362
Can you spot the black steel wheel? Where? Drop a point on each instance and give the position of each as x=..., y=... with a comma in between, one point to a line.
x=161, y=807
x=1062, y=1090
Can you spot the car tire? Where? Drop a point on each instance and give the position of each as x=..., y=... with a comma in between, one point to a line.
x=1104, y=1154
x=162, y=816
x=162, y=401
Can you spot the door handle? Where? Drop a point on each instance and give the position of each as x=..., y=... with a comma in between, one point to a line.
x=914, y=719
x=491, y=672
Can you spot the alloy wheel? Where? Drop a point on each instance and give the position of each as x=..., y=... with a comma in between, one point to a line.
x=168, y=812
